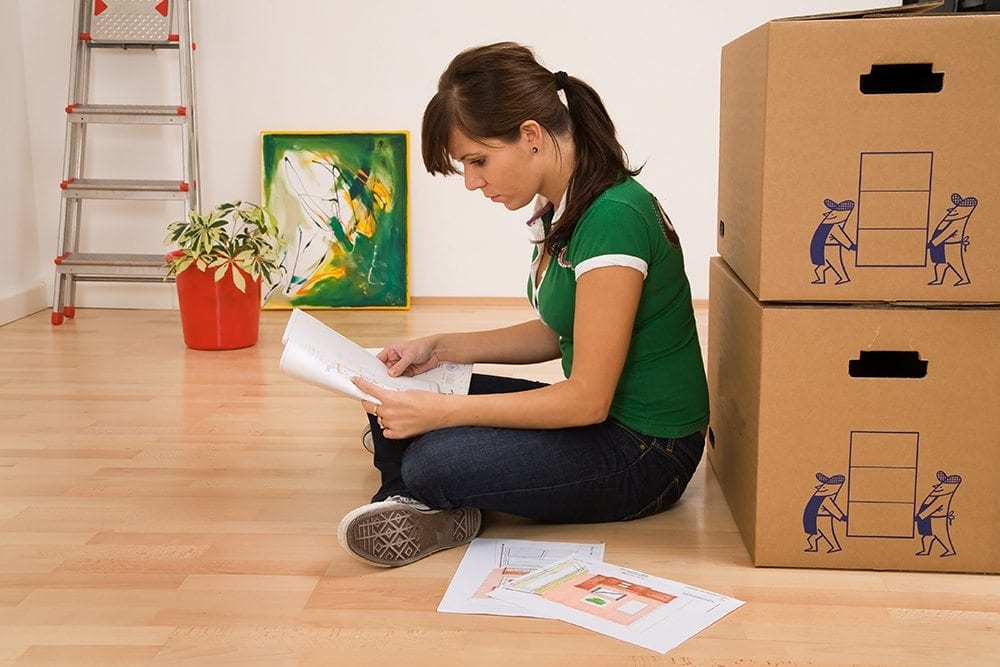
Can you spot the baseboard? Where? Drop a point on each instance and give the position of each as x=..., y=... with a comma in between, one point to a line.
x=34, y=299
x=699, y=304
x=21, y=304
x=469, y=301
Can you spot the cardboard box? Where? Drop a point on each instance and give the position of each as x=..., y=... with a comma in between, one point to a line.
x=841, y=434
x=858, y=159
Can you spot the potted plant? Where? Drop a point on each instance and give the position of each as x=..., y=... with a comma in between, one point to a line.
x=218, y=265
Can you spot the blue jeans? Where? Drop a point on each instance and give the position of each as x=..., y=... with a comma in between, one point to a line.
x=587, y=474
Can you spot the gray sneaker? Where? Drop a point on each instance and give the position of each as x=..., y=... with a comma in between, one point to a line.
x=366, y=438
x=400, y=530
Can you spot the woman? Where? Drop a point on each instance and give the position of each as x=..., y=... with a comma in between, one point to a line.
x=622, y=435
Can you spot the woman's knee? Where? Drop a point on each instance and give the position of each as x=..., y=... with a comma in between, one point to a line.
x=432, y=470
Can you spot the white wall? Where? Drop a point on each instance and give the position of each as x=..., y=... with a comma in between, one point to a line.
x=22, y=290
x=321, y=65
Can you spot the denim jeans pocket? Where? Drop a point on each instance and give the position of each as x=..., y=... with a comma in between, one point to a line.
x=670, y=467
x=685, y=453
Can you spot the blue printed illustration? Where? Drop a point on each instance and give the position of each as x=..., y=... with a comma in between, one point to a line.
x=934, y=517
x=948, y=241
x=830, y=240
x=882, y=503
x=821, y=510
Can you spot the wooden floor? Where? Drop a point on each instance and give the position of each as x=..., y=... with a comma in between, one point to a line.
x=160, y=505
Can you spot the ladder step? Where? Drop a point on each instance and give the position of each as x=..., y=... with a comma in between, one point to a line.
x=126, y=114
x=112, y=267
x=129, y=44
x=99, y=188
x=131, y=20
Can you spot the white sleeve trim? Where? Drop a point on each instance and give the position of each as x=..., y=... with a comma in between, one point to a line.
x=600, y=261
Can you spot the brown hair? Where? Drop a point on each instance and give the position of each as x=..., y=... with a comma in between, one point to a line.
x=487, y=92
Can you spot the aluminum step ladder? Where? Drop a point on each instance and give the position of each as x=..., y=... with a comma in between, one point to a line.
x=130, y=26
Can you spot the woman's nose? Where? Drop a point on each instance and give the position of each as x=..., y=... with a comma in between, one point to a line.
x=473, y=182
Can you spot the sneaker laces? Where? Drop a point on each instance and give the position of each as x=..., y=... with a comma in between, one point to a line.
x=406, y=500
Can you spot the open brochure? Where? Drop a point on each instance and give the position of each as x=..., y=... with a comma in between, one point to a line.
x=639, y=608
x=490, y=563
x=571, y=582
x=318, y=355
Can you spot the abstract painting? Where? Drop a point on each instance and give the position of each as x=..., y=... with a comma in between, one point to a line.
x=341, y=202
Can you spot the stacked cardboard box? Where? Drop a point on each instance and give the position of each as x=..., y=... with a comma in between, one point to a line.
x=854, y=363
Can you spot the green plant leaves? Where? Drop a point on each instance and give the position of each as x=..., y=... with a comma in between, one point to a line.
x=233, y=234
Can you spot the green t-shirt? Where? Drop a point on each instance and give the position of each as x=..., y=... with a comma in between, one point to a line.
x=662, y=390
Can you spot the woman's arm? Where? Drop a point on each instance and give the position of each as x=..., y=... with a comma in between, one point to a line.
x=526, y=343
x=606, y=303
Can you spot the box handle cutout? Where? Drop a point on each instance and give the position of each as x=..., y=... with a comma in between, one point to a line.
x=722, y=228
x=711, y=437
x=887, y=364
x=902, y=79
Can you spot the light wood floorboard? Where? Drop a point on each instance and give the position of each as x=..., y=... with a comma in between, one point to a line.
x=160, y=505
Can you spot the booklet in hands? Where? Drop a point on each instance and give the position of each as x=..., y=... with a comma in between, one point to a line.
x=318, y=355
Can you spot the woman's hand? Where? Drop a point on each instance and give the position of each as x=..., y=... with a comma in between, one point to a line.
x=410, y=358
x=404, y=414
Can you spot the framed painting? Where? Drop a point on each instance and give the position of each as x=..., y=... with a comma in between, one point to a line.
x=341, y=201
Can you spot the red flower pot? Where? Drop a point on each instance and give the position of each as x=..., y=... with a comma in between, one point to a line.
x=217, y=315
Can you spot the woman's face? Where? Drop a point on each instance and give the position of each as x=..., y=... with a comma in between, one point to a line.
x=506, y=173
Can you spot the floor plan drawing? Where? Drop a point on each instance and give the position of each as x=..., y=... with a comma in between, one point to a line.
x=632, y=606
x=491, y=563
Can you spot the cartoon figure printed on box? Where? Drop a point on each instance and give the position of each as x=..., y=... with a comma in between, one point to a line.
x=948, y=241
x=935, y=516
x=821, y=510
x=946, y=244
x=830, y=240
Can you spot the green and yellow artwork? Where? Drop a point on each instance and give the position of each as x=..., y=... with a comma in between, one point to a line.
x=341, y=202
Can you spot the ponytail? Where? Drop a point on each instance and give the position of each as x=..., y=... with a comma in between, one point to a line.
x=487, y=92
x=600, y=160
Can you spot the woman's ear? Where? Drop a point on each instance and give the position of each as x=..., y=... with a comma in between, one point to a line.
x=531, y=132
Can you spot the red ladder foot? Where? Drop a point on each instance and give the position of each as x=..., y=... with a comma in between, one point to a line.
x=57, y=318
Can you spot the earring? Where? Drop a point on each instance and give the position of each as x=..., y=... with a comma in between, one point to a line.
x=534, y=149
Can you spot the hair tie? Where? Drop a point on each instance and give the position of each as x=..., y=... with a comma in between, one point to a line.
x=561, y=80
